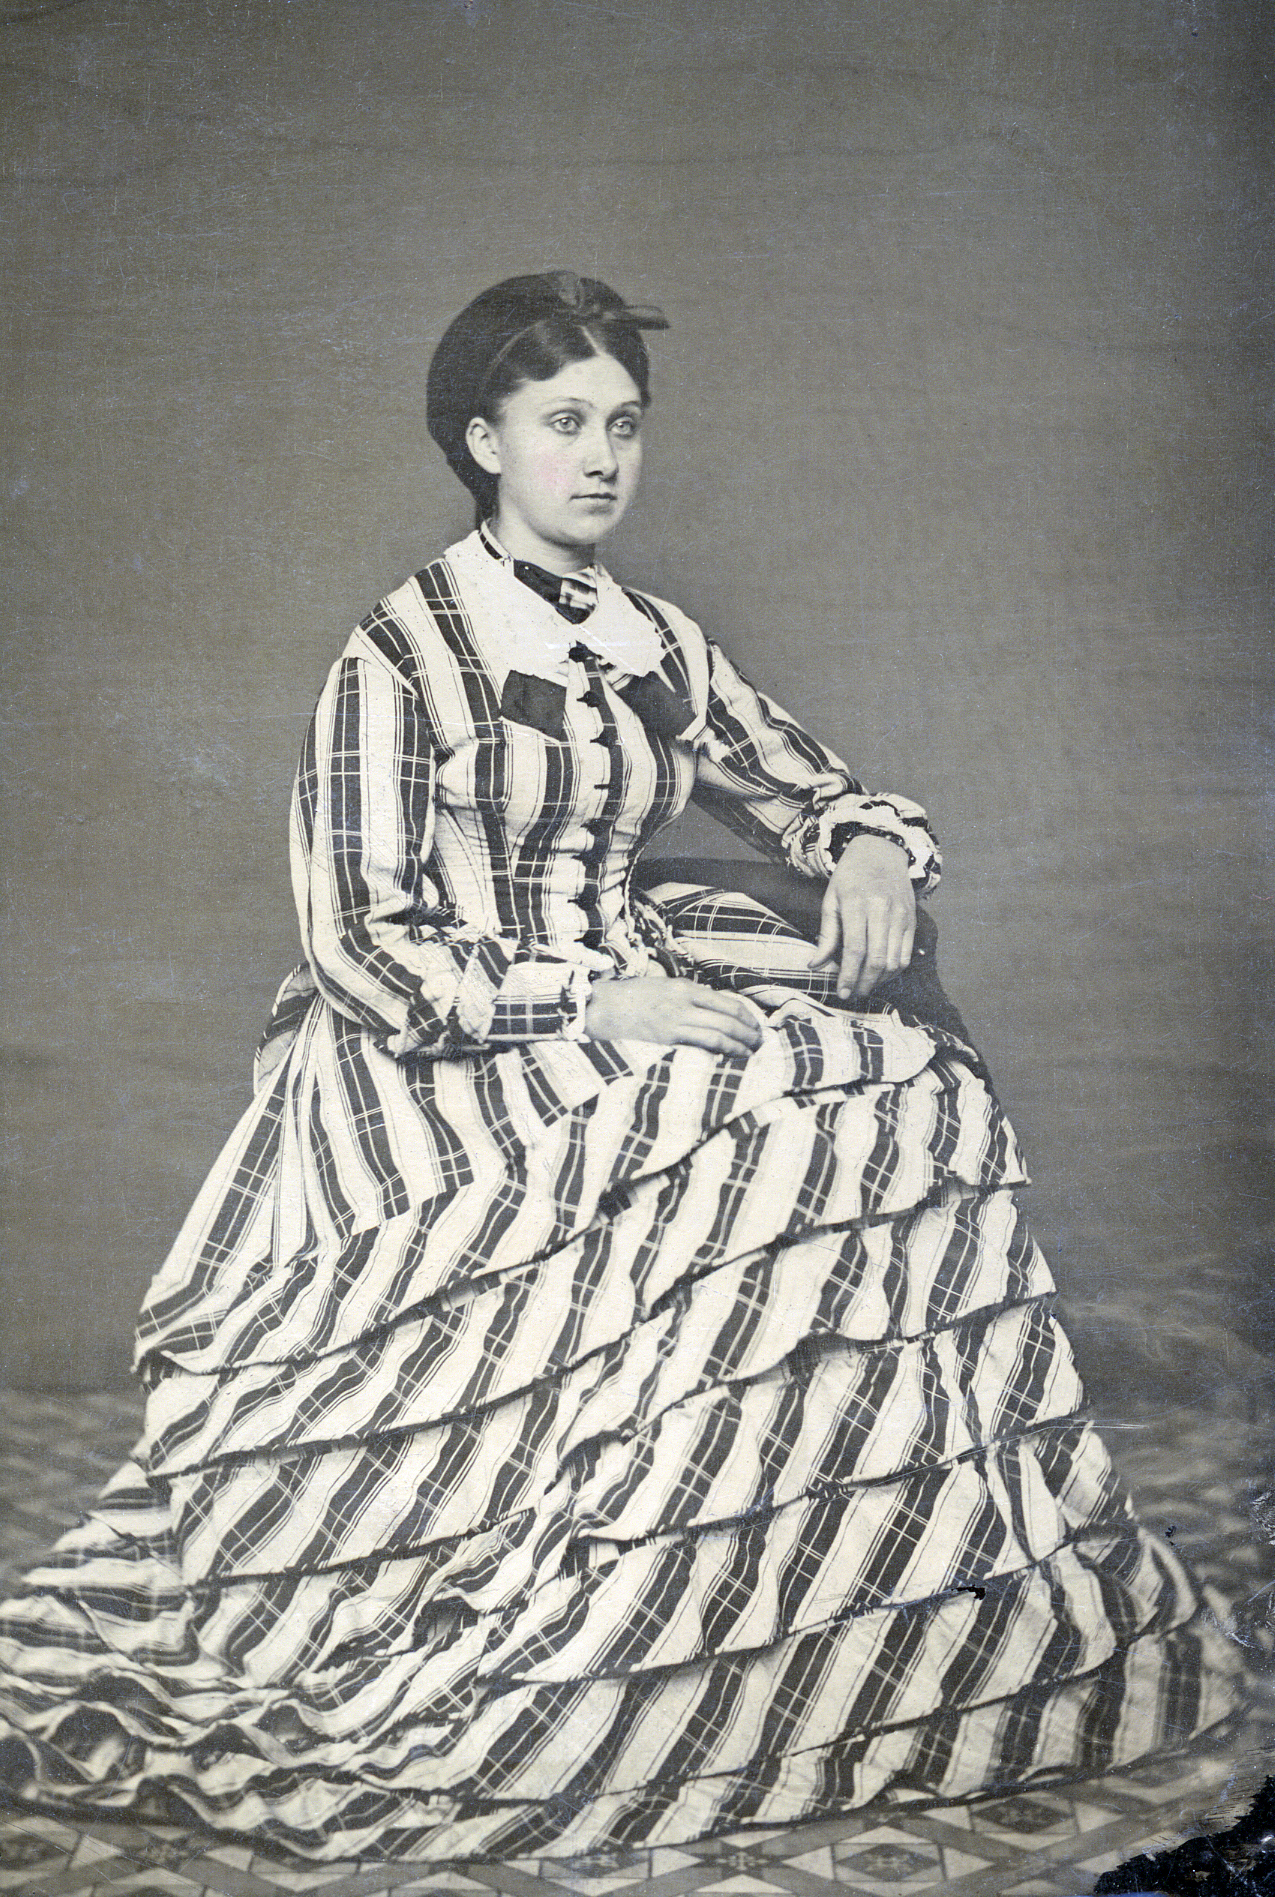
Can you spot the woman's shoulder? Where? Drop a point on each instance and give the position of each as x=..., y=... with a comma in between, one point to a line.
x=413, y=627
x=670, y=618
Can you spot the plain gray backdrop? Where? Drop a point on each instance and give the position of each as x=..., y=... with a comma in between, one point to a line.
x=956, y=446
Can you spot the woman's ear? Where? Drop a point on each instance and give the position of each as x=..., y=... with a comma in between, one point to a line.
x=480, y=439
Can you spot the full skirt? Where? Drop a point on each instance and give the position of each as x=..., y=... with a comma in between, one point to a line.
x=586, y=1445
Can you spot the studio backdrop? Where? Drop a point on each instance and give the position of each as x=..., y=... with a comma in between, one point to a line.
x=954, y=447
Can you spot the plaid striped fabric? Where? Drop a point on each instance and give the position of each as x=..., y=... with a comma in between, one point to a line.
x=555, y=1444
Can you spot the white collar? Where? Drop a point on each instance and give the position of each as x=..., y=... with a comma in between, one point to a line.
x=520, y=632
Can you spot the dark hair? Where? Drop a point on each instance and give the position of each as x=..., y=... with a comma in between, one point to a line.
x=525, y=330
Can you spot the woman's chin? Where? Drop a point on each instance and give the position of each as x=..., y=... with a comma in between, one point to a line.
x=595, y=519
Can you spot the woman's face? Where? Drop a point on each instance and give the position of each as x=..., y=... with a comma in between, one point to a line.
x=567, y=454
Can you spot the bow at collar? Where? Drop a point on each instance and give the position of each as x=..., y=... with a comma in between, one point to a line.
x=532, y=637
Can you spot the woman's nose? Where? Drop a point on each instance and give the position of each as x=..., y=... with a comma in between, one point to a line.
x=600, y=457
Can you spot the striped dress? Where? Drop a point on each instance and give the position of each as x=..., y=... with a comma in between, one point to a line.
x=555, y=1444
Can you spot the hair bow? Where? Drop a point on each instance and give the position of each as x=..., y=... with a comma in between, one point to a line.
x=587, y=306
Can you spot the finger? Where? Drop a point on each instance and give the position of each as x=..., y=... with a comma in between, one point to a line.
x=882, y=915
x=714, y=1040
x=729, y=1004
x=829, y=932
x=853, y=949
x=734, y=1007
x=743, y=1034
x=708, y=1007
x=872, y=966
x=899, y=949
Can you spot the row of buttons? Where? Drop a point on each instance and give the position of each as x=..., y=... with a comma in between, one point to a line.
x=593, y=857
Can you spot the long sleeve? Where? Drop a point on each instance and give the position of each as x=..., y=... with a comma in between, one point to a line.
x=384, y=947
x=765, y=777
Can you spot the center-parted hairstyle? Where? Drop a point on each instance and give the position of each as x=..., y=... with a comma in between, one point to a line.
x=525, y=330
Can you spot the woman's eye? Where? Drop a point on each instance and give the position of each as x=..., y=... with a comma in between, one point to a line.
x=567, y=424
x=625, y=426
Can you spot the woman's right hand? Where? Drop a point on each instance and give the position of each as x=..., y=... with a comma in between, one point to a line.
x=674, y=1012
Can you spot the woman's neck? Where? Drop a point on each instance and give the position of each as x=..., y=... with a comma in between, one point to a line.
x=521, y=545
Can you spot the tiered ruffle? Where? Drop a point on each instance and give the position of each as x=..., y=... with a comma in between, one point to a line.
x=591, y=1445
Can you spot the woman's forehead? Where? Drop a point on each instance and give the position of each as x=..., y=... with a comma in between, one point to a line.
x=598, y=381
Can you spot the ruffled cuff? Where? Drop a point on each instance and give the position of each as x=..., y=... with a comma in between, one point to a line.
x=817, y=841
x=542, y=1000
x=503, y=996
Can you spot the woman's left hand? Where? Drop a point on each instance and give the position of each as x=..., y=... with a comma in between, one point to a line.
x=869, y=916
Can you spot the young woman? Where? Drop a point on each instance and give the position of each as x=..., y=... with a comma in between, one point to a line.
x=605, y=1392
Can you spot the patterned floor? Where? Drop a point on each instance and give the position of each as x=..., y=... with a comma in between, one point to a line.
x=1200, y=1481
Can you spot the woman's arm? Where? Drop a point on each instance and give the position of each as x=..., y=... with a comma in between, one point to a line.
x=762, y=774
x=765, y=777
x=382, y=944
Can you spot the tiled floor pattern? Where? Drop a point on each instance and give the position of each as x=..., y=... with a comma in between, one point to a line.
x=1200, y=1481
